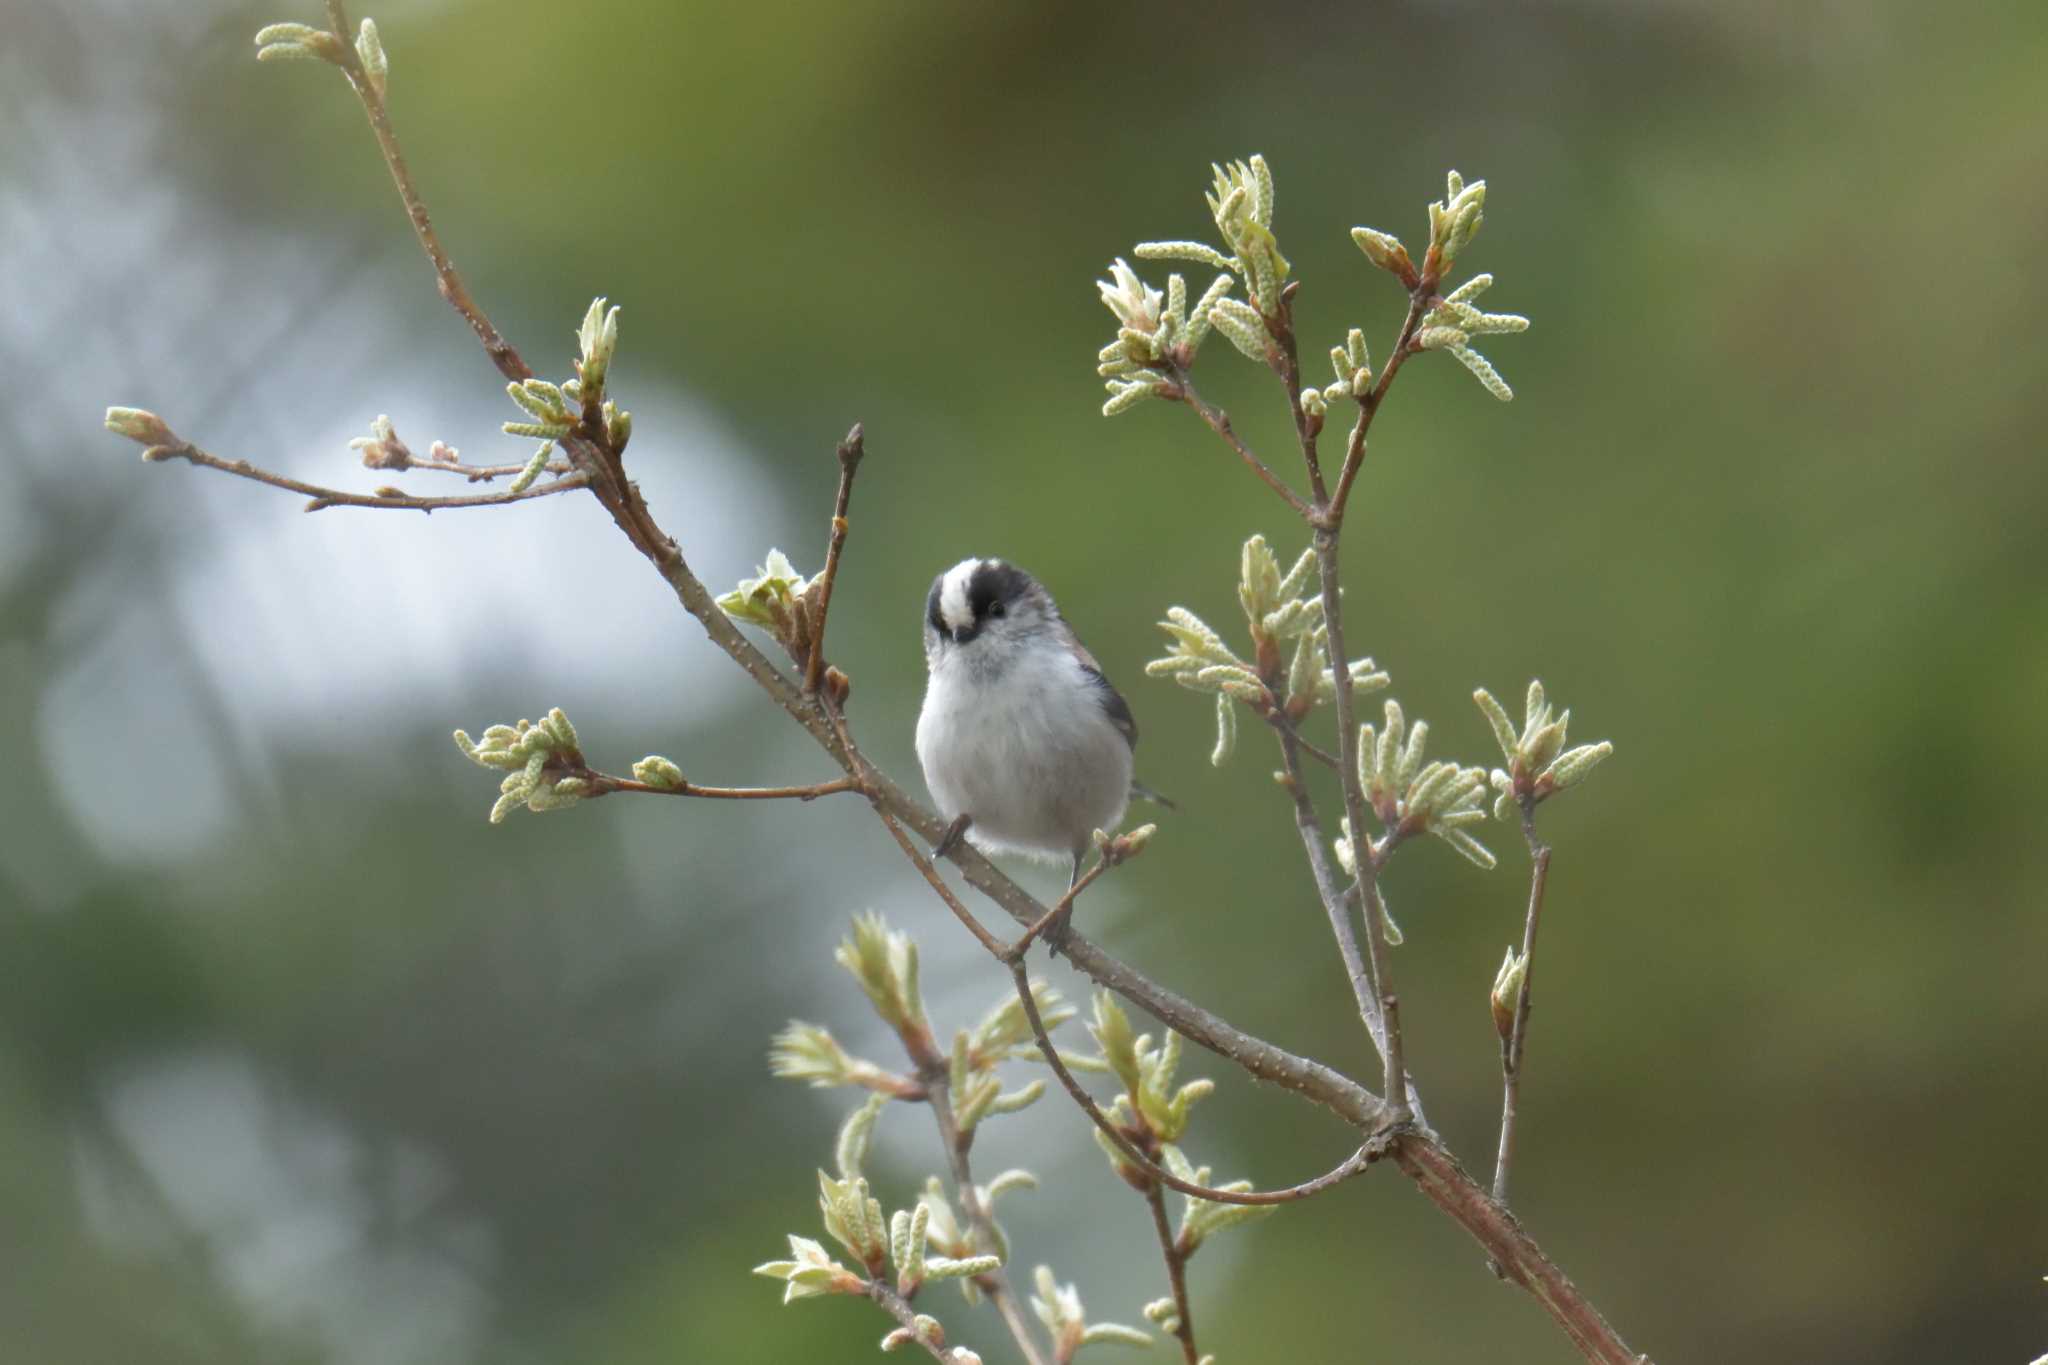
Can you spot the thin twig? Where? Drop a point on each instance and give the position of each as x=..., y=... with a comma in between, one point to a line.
x=1419, y=301
x=603, y=784
x=1336, y=901
x=484, y=473
x=1219, y=422
x=850, y=451
x=1326, y=519
x=1512, y=1048
x=1366, y=878
x=1316, y=752
x=1014, y=954
x=898, y=1307
x=1339, y=901
x=1176, y=1274
x=1351, y=1165
x=1307, y=426
x=995, y=946
x=995, y=1283
x=323, y=497
x=452, y=289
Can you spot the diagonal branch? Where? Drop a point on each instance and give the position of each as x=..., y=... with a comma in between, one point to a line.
x=1451, y=1188
x=1218, y=421
x=1045, y=925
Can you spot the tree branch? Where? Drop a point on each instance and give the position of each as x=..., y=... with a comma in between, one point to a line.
x=322, y=498
x=482, y=473
x=452, y=289
x=604, y=784
x=1176, y=1275
x=1337, y=900
x=1014, y=954
x=1446, y=1183
x=1306, y=427
x=1325, y=518
x=898, y=1307
x=850, y=451
x=1419, y=300
x=995, y=946
x=1320, y=1084
x=1366, y=878
x=1512, y=1047
x=1435, y=1171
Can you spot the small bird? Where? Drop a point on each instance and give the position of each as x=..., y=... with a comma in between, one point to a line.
x=1025, y=745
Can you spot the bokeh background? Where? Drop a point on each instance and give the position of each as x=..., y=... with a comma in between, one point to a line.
x=302, y=1061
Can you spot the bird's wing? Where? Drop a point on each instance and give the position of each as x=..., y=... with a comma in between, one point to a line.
x=1113, y=704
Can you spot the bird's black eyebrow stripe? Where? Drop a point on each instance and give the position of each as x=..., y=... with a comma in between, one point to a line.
x=994, y=582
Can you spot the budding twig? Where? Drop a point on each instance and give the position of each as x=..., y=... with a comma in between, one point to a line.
x=323, y=497
x=898, y=1307
x=1512, y=1046
x=850, y=451
x=1014, y=954
x=487, y=472
x=1419, y=300
x=452, y=288
x=1306, y=426
x=1326, y=519
x=1366, y=880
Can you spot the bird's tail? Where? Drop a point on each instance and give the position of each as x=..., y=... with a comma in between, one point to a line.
x=1145, y=793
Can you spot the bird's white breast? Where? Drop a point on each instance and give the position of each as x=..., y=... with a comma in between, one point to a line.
x=1023, y=745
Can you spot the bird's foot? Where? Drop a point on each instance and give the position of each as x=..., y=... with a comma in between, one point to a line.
x=1055, y=933
x=950, y=840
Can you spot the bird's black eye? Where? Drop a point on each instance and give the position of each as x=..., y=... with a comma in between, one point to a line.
x=996, y=609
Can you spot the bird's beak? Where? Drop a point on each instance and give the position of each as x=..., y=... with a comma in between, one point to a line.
x=962, y=634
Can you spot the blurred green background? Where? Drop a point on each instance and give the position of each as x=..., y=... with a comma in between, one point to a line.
x=301, y=1061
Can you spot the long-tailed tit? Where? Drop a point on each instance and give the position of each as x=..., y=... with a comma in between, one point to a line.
x=1020, y=734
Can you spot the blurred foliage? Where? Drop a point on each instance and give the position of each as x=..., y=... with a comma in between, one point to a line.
x=349, y=1076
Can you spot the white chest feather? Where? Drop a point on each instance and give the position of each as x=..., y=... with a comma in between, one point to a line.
x=1026, y=750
